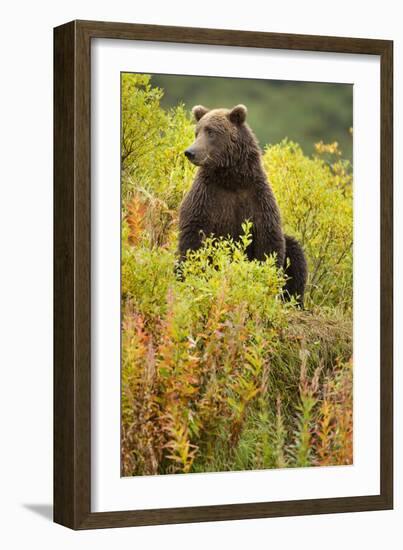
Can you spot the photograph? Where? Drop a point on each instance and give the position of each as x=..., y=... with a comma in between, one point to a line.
x=236, y=274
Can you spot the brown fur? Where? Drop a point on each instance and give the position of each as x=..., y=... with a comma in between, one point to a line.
x=230, y=187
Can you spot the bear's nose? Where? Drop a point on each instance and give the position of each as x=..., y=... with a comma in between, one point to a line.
x=190, y=154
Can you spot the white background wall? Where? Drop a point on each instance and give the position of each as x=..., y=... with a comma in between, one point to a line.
x=26, y=271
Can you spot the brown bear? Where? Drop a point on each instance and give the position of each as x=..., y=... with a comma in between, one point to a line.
x=230, y=187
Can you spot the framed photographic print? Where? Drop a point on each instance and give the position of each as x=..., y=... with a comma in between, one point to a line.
x=222, y=274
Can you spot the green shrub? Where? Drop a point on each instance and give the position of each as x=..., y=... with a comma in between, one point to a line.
x=315, y=199
x=154, y=168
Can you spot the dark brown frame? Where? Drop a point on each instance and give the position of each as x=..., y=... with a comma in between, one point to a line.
x=72, y=319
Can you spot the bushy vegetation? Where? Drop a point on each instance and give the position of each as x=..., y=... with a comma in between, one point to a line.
x=315, y=199
x=218, y=372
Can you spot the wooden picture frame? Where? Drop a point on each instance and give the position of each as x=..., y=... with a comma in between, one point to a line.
x=72, y=271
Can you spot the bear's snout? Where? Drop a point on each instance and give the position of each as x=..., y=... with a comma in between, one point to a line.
x=190, y=154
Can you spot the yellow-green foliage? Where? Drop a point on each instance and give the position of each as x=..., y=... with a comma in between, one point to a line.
x=219, y=373
x=315, y=199
x=154, y=168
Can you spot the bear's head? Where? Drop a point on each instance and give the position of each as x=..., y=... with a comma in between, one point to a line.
x=223, y=139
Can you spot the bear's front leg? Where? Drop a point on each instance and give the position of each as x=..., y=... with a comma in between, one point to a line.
x=268, y=241
x=190, y=238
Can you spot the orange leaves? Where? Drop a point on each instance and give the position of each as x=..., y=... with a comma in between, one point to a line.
x=324, y=433
x=181, y=394
x=149, y=219
x=334, y=428
x=140, y=438
x=159, y=383
x=181, y=452
x=325, y=421
x=178, y=387
x=232, y=392
x=136, y=210
x=190, y=402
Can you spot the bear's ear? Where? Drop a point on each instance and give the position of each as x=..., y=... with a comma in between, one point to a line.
x=199, y=111
x=238, y=114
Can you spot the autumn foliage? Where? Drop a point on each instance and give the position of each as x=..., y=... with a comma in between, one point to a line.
x=218, y=372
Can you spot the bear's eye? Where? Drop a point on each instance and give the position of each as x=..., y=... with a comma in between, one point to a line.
x=209, y=132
